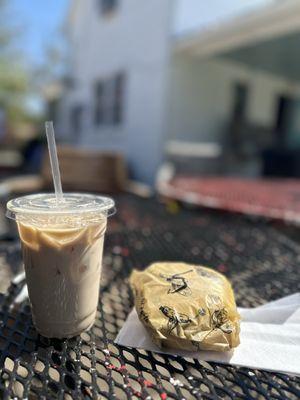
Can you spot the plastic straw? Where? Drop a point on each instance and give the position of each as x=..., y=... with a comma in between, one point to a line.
x=54, y=160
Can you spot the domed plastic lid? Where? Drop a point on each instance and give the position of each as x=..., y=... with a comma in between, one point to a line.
x=73, y=204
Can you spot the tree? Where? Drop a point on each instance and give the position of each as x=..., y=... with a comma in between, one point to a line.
x=13, y=76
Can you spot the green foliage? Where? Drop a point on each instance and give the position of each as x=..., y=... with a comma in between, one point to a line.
x=13, y=77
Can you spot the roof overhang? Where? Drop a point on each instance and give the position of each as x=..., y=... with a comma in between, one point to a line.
x=276, y=19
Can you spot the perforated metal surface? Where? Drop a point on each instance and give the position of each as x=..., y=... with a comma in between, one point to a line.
x=262, y=265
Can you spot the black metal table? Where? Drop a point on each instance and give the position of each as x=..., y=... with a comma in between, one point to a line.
x=261, y=263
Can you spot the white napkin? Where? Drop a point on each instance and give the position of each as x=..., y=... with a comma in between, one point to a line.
x=270, y=338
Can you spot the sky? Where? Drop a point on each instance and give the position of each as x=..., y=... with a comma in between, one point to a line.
x=40, y=21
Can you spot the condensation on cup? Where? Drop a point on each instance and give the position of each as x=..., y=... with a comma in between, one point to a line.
x=62, y=252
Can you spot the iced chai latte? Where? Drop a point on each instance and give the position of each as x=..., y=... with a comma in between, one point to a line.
x=62, y=252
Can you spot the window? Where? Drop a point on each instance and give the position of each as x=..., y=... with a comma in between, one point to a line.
x=238, y=120
x=283, y=119
x=76, y=119
x=109, y=97
x=108, y=6
x=118, y=104
x=99, y=101
x=240, y=99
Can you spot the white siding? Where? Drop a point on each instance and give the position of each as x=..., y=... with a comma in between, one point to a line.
x=201, y=97
x=134, y=40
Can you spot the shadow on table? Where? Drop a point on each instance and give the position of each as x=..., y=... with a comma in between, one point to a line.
x=31, y=363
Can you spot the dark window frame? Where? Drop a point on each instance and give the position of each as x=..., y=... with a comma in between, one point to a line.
x=108, y=6
x=240, y=100
x=99, y=103
x=76, y=115
x=239, y=114
x=109, y=99
x=283, y=113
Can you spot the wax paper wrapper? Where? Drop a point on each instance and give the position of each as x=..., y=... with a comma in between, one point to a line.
x=186, y=306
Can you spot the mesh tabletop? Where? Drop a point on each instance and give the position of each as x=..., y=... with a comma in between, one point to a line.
x=261, y=263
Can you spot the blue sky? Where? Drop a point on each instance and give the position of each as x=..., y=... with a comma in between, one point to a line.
x=40, y=21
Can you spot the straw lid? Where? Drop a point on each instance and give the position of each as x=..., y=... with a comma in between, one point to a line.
x=44, y=204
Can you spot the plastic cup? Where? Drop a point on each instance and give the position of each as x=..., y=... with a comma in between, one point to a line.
x=62, y=252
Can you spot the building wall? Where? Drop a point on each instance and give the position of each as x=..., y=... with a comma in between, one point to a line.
x=133, y=40
x=200, y=98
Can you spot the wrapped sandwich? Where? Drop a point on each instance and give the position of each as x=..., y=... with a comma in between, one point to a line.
x=186, y=306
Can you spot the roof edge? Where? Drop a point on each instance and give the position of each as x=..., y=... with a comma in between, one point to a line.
x=264, y=23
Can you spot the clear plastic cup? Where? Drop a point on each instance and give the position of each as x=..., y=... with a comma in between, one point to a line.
x=62, y=251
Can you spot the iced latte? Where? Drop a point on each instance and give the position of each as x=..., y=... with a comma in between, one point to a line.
x=62, y=252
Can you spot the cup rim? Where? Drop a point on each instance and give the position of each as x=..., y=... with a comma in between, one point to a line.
x=33, y=205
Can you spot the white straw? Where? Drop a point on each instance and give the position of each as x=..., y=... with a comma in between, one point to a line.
x=54, y=160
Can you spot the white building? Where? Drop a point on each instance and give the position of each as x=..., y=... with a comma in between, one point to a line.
x=144, y=73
